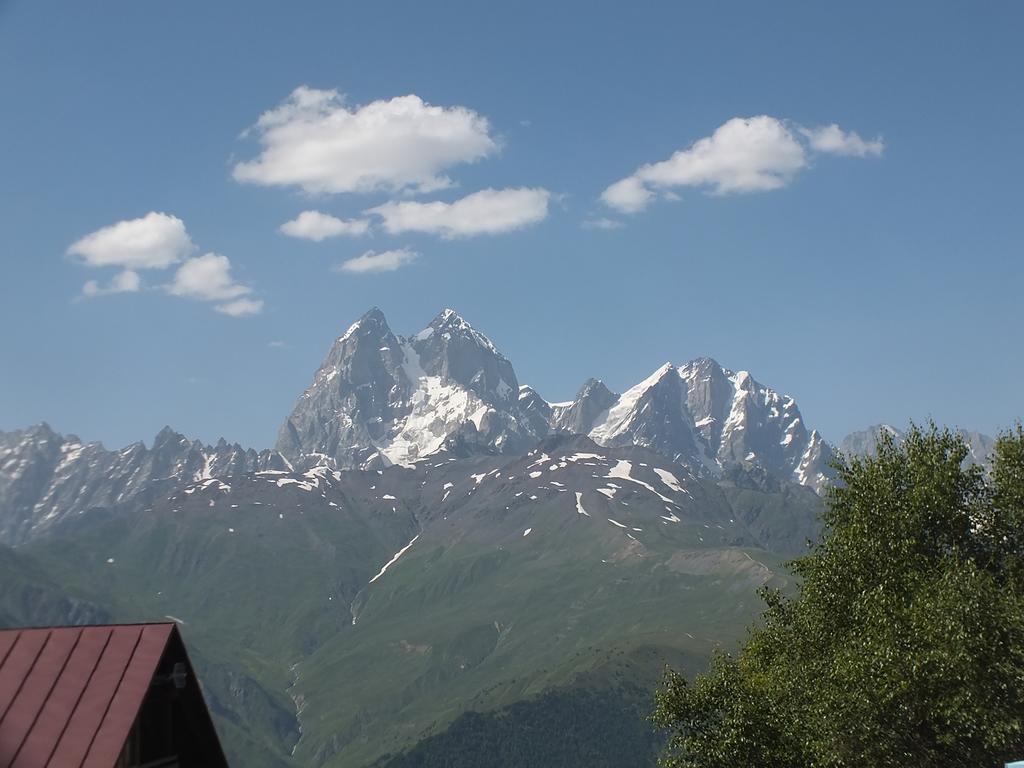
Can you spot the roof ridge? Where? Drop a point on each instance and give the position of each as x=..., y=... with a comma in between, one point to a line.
x=88, y=626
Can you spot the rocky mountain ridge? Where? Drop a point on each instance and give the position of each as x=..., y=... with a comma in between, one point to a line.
x=862, y=442
x=382, y=399
x=46, y=477
x=379, y=399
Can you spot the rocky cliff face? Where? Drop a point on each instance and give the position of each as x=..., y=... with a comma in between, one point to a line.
x=706, y=417
x=46, y=477
x=381, y=399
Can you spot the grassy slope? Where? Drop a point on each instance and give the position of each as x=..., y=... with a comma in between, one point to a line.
x=252, y=601
x=469, y=622
x=30, y=596
x=602, y=727
x=475, y=617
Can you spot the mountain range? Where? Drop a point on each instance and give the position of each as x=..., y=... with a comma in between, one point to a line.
x=381, y=399
x=434, y=566
x=862, y=442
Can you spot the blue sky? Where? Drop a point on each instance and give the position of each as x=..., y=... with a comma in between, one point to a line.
x=872, y=281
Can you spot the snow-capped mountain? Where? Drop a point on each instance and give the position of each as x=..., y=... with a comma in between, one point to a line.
x=46, y=477
x=706, y=417
x=382, y=399
x=576, y=417
x=863, y=442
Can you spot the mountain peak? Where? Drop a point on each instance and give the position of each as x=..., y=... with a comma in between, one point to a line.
x=590, y=386
x=705, y=361
x=449, y=325
x=378, y=394
x=663, y=370
x=701, y=365
x=592, y=399
x=447, y=315
x=743, y=380
x=448, y=319
x=168, y=435
x=41, y=430
x=372, y=320
x=405, y=397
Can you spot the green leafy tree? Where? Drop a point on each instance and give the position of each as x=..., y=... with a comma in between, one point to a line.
x=904, y=645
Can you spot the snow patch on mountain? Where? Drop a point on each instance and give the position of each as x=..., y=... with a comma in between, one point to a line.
x=617, y=418
x=393, y=560
x=438, y=408
x=579, y=505
x=622, y=471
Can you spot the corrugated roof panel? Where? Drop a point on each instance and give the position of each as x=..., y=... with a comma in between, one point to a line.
x=21, y=715
x=120, y=716
x=69, y=696
x=53, y=718
x=7, y=640
x=17, y=665
x=87, y=716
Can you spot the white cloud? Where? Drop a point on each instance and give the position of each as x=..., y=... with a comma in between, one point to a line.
x=601, y=223
x=628, y=195
x=158, y=241
x=241, y=307
x=276, y=344
x=208, y=278
x=155, y=241
x=832, y=139
x=487, y=212
x=385, y=261
x=123, y=282
x=316, y=142
x=755, y=154
x=314, y=225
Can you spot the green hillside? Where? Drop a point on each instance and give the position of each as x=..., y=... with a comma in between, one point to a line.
x=540, y=593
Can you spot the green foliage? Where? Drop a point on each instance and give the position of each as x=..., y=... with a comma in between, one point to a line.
x=563, y=728
x=902, y=646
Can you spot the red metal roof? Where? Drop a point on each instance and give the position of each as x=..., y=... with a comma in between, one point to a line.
x=69, y=695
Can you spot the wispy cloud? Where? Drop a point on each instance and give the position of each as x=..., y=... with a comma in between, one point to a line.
x=487, y=212
x=601, y=222
x=241, y=307
x=316, y=142
x=385, y=261
x=834, y=140
x=317, y=226
x=208, y=278
x=755, y=154
x=127, y=281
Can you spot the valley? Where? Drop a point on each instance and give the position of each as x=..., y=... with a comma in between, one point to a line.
x=433, y=557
